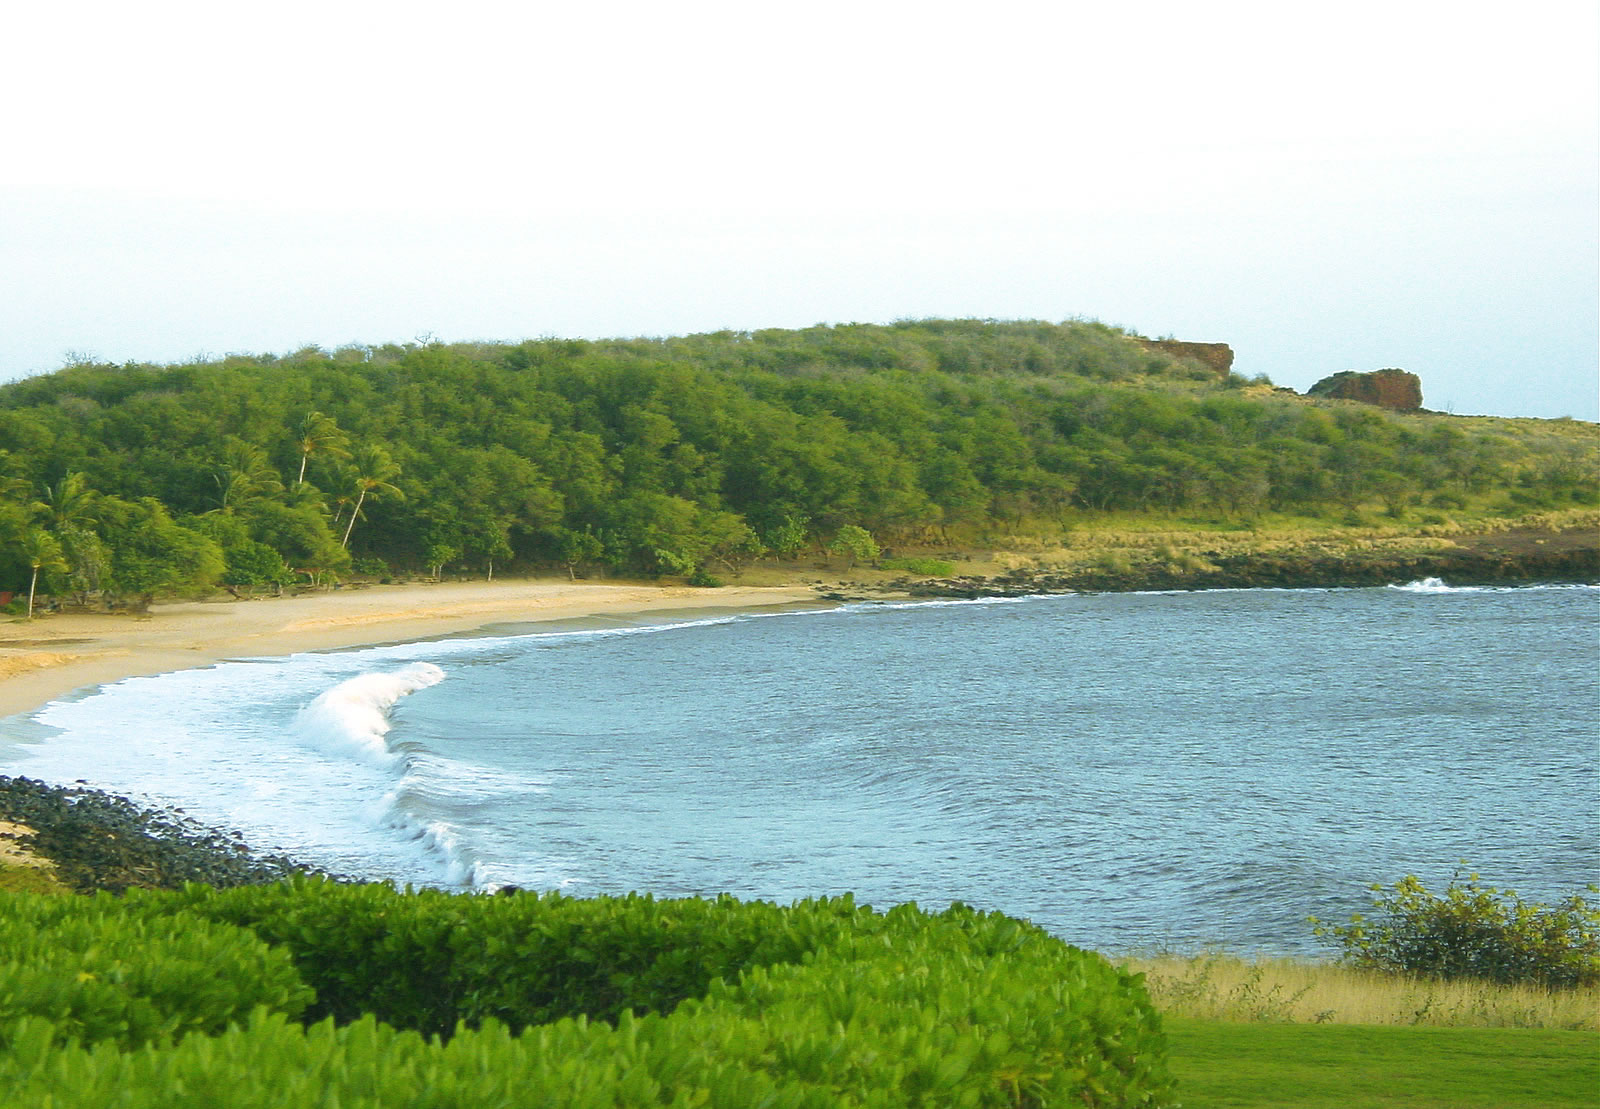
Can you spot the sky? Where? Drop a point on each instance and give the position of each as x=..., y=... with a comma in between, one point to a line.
x=1331, y=187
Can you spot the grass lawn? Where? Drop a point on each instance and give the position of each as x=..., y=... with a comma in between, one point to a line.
x=1308, y=1066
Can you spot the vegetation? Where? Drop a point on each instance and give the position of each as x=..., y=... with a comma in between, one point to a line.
x=669, y=456
x=931, y=567
x=1223, y=987
x=1297, y=1066
x=1474, y=931
x=448, y=1000
x=308, y=991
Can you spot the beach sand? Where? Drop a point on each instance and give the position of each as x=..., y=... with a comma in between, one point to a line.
x=51, y=656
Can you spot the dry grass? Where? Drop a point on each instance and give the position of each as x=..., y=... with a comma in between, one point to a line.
x=1193, y=550
x=1120, y=541
x=1225, y=987
x=30, y=879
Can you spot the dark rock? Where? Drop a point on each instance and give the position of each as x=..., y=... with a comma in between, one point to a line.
x=100, y=841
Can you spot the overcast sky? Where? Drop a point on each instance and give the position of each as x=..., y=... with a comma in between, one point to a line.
x=1327, y=187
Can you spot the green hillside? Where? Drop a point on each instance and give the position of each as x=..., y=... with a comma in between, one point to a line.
x=671, y=456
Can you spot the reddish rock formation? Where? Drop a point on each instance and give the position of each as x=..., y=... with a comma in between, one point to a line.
x=1394, y=389
x=1217, y=357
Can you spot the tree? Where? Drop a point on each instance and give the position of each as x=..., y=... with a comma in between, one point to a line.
x=787, y=537
x=41, y=551
x=68, y=509
x=728, y=539
x=68, y=504
x=319, y=434
x=371, y=471
x=244, y=476
x=855, y=542
x=298, y=532
x=439, y=554
x=489, y=537
x=151, y=553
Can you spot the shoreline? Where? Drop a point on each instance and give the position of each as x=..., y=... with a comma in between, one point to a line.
x=55, y=656
x=58, y=655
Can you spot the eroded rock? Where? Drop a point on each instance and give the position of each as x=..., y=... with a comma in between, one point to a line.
x=1394, y=389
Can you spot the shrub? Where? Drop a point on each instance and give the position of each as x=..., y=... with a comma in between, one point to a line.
x=630, y=1001
x=855, y=543
x=96, y=972
x=1474, y=931
x=704, y=579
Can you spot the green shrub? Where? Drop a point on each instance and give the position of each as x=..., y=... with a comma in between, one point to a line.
x=930, y=567
x=1474, y=931
x=427, y=959
x=855, y=543
x=705, y=580
x=98, y=973
x=818, y=1005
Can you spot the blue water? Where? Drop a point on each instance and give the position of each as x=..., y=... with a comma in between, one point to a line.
x=1125, y=770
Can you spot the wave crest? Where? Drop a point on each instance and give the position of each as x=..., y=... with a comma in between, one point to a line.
x=352, y=718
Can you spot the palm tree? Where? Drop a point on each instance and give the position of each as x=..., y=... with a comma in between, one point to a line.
x=68, y=510
x=319, y=433
x=12, y=487
x=372, y=468
x=246, y=475
x=42, y=552
x=68, y=504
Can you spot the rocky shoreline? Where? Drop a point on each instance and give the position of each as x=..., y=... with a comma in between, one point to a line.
x=1503, y=560
x=86, y=840
x=91, y=840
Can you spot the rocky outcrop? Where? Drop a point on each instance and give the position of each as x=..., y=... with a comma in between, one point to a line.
x=1465, y=566
x=1394, y=389
x=98, y=841
x=1217, y=357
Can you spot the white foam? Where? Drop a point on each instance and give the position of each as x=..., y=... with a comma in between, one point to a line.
x=1437, y=585
x=230, y=745
x=352, y=718
x=1433, y=585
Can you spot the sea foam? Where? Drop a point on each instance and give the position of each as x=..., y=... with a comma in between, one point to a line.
x=352, y=718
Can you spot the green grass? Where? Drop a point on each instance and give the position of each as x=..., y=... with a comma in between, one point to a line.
x=1301, y=1066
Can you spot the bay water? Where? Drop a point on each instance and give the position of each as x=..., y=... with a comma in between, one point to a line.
x=1126, y=770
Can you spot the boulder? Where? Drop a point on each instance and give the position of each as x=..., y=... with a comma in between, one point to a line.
x=1391, y=388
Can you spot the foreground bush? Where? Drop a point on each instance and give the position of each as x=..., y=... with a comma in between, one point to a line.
x=666, y=1003
x=428, y=960
x=1474, y=931
x=98, y=974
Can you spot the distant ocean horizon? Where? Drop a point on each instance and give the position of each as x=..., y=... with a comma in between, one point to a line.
x=1126, y=770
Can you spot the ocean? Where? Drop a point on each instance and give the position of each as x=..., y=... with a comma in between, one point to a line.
x=1129, y=771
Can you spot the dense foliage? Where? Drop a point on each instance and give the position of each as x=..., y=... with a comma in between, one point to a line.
x=1474, y=931
x=447, y=1000
x=676, y=455
x=100, y=974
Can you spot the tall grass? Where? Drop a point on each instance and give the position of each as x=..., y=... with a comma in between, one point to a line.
x=1225, y=987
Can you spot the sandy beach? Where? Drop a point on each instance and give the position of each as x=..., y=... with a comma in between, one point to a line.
x=52, y=656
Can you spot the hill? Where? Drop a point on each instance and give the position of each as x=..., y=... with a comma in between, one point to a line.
x=688, y=455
